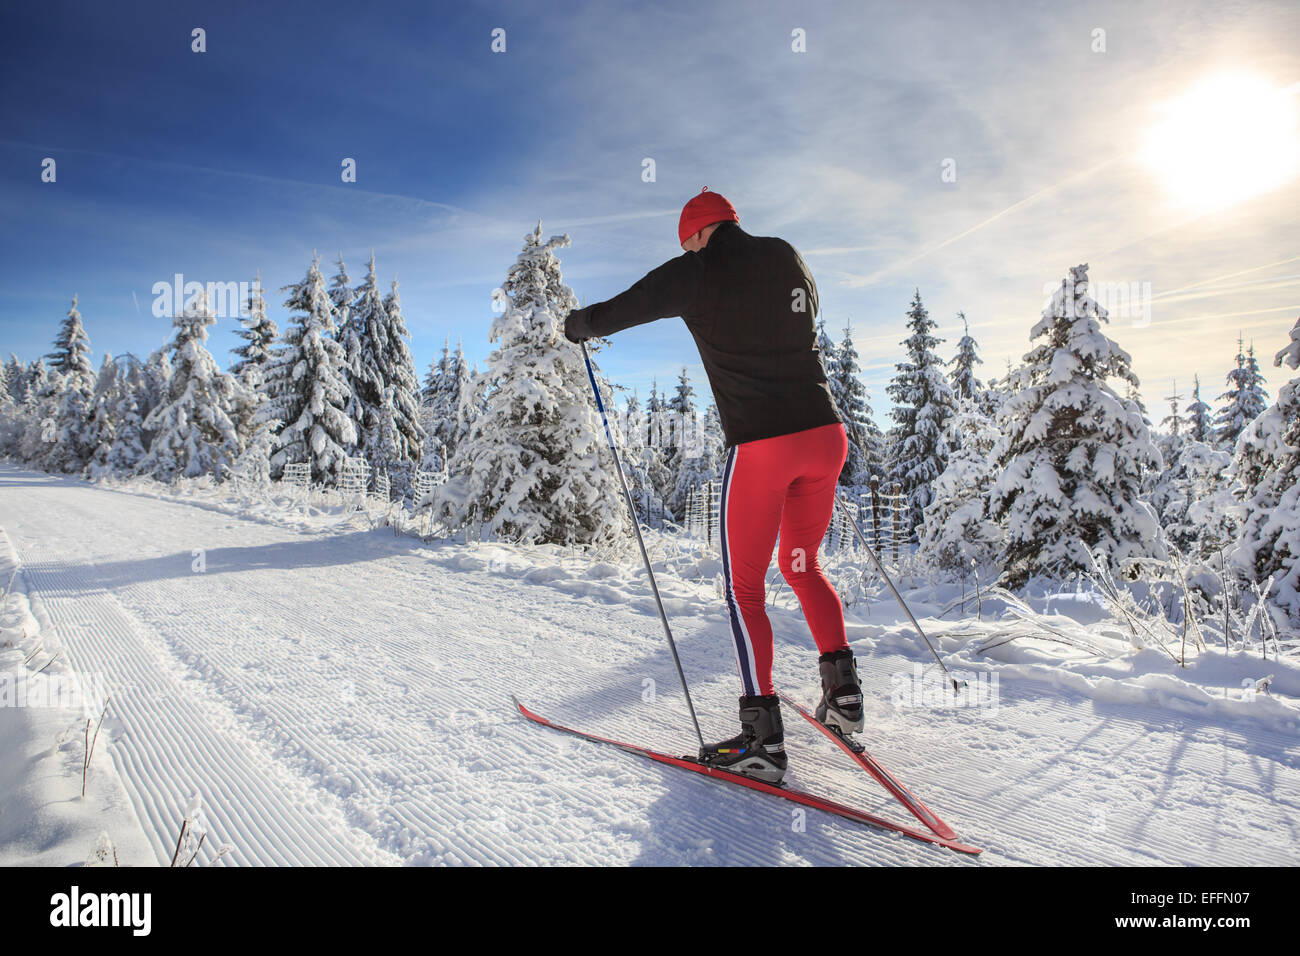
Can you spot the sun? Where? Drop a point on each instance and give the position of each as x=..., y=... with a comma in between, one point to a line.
x=1230, y=137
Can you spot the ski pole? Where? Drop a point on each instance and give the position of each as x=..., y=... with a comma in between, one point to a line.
x=636, y=526
x=901, y=603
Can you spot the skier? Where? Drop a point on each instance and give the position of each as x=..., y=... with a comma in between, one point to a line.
x=750, y=304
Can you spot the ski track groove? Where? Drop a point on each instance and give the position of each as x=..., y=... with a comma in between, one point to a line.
x=242, y=692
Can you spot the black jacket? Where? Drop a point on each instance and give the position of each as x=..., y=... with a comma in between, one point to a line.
x=740, y=296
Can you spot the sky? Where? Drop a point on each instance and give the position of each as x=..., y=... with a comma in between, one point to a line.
x=971, y=151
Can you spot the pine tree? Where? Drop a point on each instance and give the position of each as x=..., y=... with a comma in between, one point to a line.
x=632, y=452
x=71, y=355
x=400, y=450
x=116, y=421
x=1193, y=501
x=100, y=421
x=437, y=375
x=70, y=393
x=341, y=297
x=1267, y=465
x=535, y=465
x=40, y=409
x=194, y=429
x=964, y=382
x=1245, y=397
x=866, y=444
x=1199, y=426
x=307, y=386
x=923, y=403
x=825, y=346
x=1173, y=421
x=259, y=333
x=16, y=379
x=958, y=531
x=1073, y=452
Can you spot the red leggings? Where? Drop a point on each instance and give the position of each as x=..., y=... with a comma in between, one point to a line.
x=784, y=484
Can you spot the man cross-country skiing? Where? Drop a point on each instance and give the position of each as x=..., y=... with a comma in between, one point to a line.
x=750, y=303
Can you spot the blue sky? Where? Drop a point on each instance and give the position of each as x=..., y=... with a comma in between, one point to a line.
x=220, y=164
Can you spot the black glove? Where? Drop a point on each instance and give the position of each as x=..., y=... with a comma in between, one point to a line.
x=576, y=325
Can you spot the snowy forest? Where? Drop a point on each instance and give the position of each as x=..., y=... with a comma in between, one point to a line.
x=1056, y=470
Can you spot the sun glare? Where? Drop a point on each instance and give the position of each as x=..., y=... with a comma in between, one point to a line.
x=1230, y=137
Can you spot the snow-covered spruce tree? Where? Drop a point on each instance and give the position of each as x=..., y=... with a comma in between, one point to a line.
x=657, y=477
x=341, y=296
x=71, y=355
x=535, y=465
x=866, y=444
x=378, y=356
x=1245, y=399
x=1174, y=423
x=253, y=466
x=957, y=528
x=654, y=414
x=35, y=420
x=16, y=379
x=38, y=414
x=451, y=381
x=994, y=396
x=259, y=333
x=1072, y=451
x=965, y=384
x=100, y=420
x=635, y=457
x=825, y=346
x=1267, y=465
x=923, y=403
x=1170, y=441
x=12, y=423
x=117, y=420
x=194, y=428
x=1199, y=424
x=1193, y=501
x=70, y=365
x=387, y=455
x=307, y=386
x=401, y=376
x=683, y=446
x=350, y=330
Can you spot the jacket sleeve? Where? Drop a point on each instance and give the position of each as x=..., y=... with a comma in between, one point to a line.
x=662, y=293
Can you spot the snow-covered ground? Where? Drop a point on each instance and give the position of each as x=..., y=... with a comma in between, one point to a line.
x=335, y=693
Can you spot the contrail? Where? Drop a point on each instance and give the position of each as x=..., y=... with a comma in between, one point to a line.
x=880, y=273
x=1228, y=315
x=1224, y=278
x=1261, y=285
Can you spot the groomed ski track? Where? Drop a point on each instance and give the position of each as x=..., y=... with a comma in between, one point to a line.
x=343, y=697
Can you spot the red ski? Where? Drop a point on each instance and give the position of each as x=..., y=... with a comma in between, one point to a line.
x=887, y=779
x=786, y=793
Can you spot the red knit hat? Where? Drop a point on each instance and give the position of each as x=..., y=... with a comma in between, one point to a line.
x=704, y=210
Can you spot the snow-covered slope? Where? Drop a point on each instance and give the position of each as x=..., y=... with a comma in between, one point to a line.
x=341, y=695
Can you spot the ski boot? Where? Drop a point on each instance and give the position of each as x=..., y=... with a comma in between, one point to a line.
x=759, y=749
x=841, y=703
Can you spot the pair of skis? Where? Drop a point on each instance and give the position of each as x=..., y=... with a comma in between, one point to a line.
x=938, y=832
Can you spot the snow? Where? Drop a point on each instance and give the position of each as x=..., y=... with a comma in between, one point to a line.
x=372, y=723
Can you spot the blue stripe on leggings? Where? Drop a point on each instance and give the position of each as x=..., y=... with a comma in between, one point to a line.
x=737, y=628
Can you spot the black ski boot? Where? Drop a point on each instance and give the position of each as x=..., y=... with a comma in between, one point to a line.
x=841, y=703
x=759, y=750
